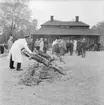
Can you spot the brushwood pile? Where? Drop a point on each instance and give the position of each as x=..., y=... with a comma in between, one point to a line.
x=35, y=74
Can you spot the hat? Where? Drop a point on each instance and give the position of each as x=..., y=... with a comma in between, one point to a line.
x=26, y=36
x=41, y=39
x=11, y=37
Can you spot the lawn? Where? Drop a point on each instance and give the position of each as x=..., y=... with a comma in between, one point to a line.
x=84, y=87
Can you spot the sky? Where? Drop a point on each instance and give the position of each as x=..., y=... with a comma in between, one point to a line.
x=89, y=11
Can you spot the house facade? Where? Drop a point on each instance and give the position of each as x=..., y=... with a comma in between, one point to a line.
x=67, y=30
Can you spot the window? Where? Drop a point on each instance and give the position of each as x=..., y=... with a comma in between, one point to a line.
x=65, y=26
x=62, y=26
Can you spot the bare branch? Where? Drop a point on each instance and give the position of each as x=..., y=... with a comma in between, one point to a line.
x=16, y=15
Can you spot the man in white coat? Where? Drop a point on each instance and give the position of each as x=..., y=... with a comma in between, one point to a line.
x=15, y=54
x=75, y=45
x=41, y=44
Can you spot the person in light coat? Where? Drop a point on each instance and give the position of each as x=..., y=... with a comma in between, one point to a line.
x=62, y=47
x=75, y=45
x=41, y=44
x=15, y=54
x=10, y=42
x=54, y=46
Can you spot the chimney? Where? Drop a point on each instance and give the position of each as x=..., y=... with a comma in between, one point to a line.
x=77, y=18
x=51, y=18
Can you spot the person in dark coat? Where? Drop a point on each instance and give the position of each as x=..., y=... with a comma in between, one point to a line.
x=83, y=48
x=67, y=46
x=2, y=49
x=98, y=46
x=79, y=47
x=45, y=45
x=71, y=47
x=37, y=43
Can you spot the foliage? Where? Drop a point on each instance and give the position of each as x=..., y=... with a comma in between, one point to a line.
x=99, y=28
x=15, y=16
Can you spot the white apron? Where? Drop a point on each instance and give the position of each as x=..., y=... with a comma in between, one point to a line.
x=15, y=50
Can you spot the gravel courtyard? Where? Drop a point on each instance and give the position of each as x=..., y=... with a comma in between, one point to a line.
x=84, y=87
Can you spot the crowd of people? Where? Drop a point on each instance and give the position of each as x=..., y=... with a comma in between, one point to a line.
x=60, y=46
x=41, y=44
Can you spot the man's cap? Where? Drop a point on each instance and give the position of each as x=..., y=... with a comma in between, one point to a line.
x=41, y=38
x=11, y=37
x=26, y=36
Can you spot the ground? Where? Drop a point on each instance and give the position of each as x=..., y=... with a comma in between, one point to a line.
x=84, y=87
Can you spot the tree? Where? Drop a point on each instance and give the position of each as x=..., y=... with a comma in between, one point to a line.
x=31, y=27
x=99, y=28
x=15, y=15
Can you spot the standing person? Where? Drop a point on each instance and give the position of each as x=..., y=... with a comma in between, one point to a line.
x=10, y=42
x=2, y=49
x=15, y=54
x=41, y=44
x=98, y=46
x=75, y=46
x=68, y=46
x=71, y=47
x=45, y=45
x=83, y=47
x=79, y=47
x=54, y=46
x=37, y=43
x=62, y=47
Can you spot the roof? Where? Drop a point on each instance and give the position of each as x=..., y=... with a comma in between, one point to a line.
x=70, y=23
x=63, y=31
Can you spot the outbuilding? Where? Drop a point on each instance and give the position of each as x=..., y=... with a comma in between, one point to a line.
x=53, y=29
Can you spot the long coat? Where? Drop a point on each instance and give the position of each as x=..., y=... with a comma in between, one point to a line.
x=75, y=45
x=54, y=46
x=16, y=48
x=45, y=46
x=62, y=47
x=41, y=45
